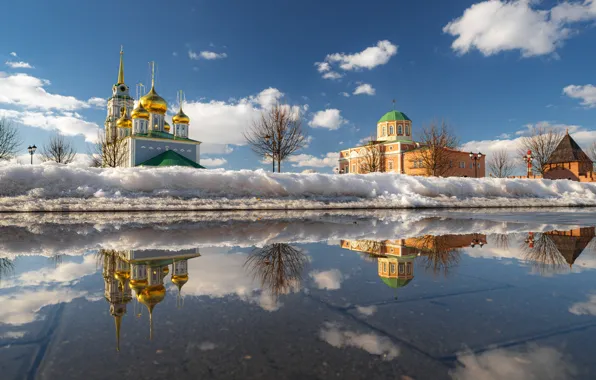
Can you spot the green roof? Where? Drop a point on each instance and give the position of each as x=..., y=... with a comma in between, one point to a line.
x=395, y=282
x=163, y=135
x=170, y=158
x=393, y=115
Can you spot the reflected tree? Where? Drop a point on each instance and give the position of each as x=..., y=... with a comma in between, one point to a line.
x=544, y=255
x=437, y=254
x=501, y=241
x=6, y=267
x=278, y=267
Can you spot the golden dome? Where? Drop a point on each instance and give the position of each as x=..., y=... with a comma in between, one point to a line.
x=137, y=285
x=180, y=118
x=166, y=270
x=166, y=126
x=140, y=113
x=122, y=276
x=179, y=281
x=152, y=295
x=154, y=103
x=124, y=121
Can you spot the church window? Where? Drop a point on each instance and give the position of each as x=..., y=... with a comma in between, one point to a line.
x=143, y=147
x=399, y=130
x=401, y=268
x=391, y=130
x=390, y=165
x=407, y=130
x=151, y=147
x=384, y=131
x=188, y=150
x=392, y=268
x=384, y=267
x=462, y=165
x=450, y=164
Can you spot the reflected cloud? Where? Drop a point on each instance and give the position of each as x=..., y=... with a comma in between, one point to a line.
x=374, y=344
x=330, y=279
x=23, y=307
x=366, y=310
x=534, y=362
x=588, y=307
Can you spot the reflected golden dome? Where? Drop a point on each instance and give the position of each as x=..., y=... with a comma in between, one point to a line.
x=154, y=103
x=140, y=112
x=124, y=121
x=138, y=285
x=180, y=118
x=152, y=295
x=166, y=126
x=122, y=276
x=179, y=281
x=166, y=270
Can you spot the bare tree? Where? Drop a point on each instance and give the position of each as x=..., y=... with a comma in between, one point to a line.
x=279, y=267
x=544, y=255
x=371, y=160
x=437, y=149
x=277, y=134
x=6, y=267
x=9, y=140
x=437, y=254
x=500, y=164
x=542, y=141
x=109, y=153
x=58, y=149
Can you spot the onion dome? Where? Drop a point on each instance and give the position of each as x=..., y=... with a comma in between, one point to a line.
x=154, y=103
x=137, y=285
x=166, y=126
x=152, y=295
x=124, y=121
x=165, y=270
x=180, y=280
x=140, y=112
x=122, y=276
x=180, y=118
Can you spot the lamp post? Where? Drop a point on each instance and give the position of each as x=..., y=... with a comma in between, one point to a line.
x=31, y=150
x=476, y=157
x=529, y=158
x=476, y=242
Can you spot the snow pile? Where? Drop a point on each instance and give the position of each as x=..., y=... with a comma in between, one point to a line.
x=57, y=187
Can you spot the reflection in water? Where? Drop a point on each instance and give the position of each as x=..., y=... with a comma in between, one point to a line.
x=278, y=266
x=395, y=258
x=6, y=267
x=143, y=272
x=554, y=251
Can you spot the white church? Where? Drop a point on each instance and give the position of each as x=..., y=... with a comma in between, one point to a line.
x=149, y=139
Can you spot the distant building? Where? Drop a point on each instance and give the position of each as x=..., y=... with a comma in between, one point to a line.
x=569, y=161
x=146, y=137
x=399, y=153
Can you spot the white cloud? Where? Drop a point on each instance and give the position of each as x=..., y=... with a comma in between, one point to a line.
x=369, y=58
x=18, y=65
x=97, y=102
x=329, y=118
x=364, y=89
x=330, y=279
x=332, y=75
x=29, y=92
x=23, y=306
x=306, y=160
x=371, y=343
x=344, y=94
x=323, y=67
x=67, y=123
x=208, y=148
x=221, y=123
x=535, y=362
x=213, y=162
x=208, y=55
x=587, y=94
x=175, y=54
x=494, y=26
x=14, y=54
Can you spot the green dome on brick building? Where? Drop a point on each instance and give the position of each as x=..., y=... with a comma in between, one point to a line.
x=393, y=116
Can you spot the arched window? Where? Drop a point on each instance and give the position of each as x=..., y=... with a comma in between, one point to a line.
x=407, y=130
x=384, y=131
x=400, y=130
x=391, y=130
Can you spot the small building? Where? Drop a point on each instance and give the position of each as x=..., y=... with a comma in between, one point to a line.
x=395, y=151
x=569, y=161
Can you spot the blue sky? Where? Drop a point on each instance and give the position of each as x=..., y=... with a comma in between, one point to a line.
x=489, y=68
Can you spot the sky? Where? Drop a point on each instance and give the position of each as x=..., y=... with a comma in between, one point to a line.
x=491, y=69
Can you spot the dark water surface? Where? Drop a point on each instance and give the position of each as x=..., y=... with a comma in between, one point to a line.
x=474, y=294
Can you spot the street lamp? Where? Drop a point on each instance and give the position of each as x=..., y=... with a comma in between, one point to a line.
x=476, y=242
x=528, y=158
x=476, y=157
x=31, y=150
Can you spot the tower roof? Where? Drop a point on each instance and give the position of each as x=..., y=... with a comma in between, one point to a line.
x=121, y=68
x=393, y=116
x=396, y=282
x=568, y=151
x=170, y=158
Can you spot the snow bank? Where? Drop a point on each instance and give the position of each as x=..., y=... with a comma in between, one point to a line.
x=55, y=187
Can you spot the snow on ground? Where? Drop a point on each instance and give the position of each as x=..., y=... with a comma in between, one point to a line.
x=55, y=187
